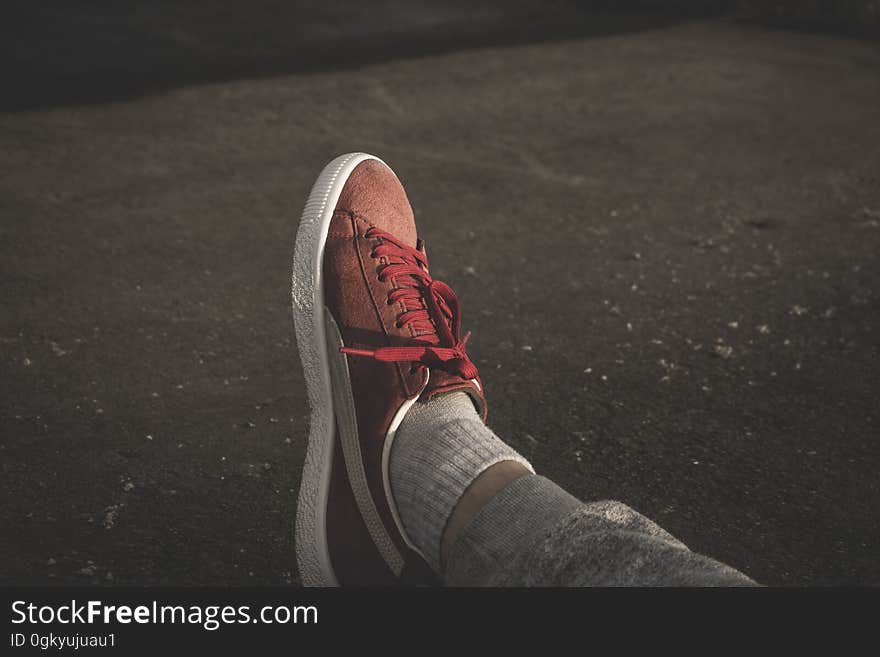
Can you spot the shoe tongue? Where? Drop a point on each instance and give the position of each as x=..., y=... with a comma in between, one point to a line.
x=374, y=192
x=442, y=381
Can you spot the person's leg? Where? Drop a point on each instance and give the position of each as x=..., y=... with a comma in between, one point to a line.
x=494, y=522
x=597, y=544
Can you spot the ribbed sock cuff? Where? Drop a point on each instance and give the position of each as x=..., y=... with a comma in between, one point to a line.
x=440, y=448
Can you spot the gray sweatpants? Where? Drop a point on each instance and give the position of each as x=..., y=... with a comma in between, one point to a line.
x=533, y=533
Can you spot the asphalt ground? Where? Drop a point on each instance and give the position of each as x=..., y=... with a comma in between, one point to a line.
x=664, y=234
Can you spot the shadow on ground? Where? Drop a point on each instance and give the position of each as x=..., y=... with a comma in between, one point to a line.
x=54, y=53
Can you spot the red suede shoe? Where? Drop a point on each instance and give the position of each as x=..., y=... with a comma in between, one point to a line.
x=375, y=333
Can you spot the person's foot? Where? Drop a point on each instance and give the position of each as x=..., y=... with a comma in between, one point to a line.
x=375, y=333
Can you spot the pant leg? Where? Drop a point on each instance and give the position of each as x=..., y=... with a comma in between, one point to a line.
x=533, y=533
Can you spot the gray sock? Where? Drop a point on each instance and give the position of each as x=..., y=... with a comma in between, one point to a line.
x=439, y=449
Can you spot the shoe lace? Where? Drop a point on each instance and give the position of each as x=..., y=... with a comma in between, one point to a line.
x=431, y=309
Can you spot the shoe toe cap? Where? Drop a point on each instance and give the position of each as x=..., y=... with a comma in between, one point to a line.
x=374, y=192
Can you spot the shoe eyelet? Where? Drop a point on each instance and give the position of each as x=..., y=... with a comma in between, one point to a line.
x=389, y=302
x=398, y=325
x=413, y=369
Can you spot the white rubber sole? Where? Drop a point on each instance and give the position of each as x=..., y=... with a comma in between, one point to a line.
x=307, y=290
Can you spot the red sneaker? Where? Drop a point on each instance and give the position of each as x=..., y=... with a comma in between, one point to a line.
x=375, y=333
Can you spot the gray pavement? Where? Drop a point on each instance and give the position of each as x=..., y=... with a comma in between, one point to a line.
x=664, y=233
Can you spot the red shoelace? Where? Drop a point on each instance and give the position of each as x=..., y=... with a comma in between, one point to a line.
x=431, y=309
